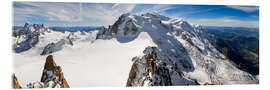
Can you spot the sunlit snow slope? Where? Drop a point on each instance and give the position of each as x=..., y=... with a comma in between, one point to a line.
x=101, y=63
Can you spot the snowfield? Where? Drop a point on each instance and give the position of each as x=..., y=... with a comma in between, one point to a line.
x=103, y=63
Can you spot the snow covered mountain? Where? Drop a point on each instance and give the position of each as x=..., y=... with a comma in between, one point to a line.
x=137, y=50
x=183, y=47
x=29, y=36
x=46, y=41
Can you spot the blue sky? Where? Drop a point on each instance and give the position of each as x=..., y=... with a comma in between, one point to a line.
x=98, y=14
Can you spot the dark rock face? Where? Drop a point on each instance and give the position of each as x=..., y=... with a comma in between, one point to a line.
x=15, y=83
x=129, y=28
x=48, y=49
x=155, y=69
x=54, y=47
x=121, y=20
x=104, y=33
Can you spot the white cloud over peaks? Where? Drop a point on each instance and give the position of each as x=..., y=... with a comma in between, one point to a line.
x=107, y=14
x=244, y=8
x=70, y=12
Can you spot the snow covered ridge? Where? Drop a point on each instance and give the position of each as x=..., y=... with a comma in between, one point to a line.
x=39, y=36
x=183, y=44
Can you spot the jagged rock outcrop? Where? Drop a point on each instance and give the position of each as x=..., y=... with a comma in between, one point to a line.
x=54, y=47
x=48, y=49
x=129, y=29
x=52, y=75
x=155, y=69
x=104, y=33
x=15, y=83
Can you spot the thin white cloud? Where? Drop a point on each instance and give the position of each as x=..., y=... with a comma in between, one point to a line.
x=159, y=8
x=71, y=12
x=244, y=8
x=50, y=11
x=227, y=21
x=106, y=14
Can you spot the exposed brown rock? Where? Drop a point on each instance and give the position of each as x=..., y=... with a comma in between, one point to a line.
x=132, y=74
x=52, y=77
x=53, y=74
x=49, y=64
x=15, y=83
x=62, y=79
x=150, y=64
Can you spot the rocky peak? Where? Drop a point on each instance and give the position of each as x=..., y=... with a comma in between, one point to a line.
x=52, y=75
x=48, y=49
x=49, y=64
x=121, y=20
x=15, y=82
x=35, y=28
x=123, y=26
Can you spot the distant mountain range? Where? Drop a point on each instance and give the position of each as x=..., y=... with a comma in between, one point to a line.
x=89, y=28
x=62, y=28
